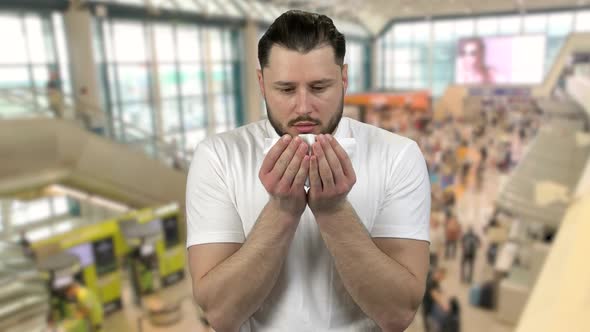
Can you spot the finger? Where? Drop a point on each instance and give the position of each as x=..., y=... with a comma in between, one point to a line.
x=285, y=159
x=274, y=153
x=315, y=183
x=302, y=173
x=323, y=167
x=293, y=168
x=345, y=161
x=332, y=159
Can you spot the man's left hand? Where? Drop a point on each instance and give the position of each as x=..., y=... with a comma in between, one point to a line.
x=331, y=176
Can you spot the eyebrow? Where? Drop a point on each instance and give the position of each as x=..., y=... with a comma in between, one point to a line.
x=316, y=82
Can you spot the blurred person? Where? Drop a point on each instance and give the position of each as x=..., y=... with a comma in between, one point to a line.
x=472, y=66
x=268, y=255
x=470, y=244
x=462, y=152
x=440, y=311
x=493, y=231
x=447, y=171
x=25, y=244
x=55, y=95
x=517, y=146
x=437, y=239
x=88, y=305
x=452, y=235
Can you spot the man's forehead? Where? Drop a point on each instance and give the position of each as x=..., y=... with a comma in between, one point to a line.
x=279, y=54
x=286, y=65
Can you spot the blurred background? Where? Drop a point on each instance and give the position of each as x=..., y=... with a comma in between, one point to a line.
x=103, y=102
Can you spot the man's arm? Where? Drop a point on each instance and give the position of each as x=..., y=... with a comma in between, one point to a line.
x=231, y=280
x=386, y=277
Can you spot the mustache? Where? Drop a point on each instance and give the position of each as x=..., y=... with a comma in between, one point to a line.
x=304, y=119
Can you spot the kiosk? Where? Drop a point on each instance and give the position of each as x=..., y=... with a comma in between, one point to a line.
x=98, y=248
x=141, y=240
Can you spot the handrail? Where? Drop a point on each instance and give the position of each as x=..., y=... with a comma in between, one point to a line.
x=91, y=114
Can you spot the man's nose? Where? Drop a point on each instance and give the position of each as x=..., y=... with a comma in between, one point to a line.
x=303, y=102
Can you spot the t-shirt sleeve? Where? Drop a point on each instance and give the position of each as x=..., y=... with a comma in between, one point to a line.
x=405, y=210
x=211, y=215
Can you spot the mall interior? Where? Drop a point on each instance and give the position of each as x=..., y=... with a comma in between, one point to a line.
x=102, y=103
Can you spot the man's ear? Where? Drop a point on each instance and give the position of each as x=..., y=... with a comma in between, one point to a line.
x=345, y=77
x=260, y=81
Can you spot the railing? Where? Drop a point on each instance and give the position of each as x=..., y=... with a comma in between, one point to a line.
x=93, y=119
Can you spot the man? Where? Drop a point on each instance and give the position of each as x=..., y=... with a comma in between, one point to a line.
x=54, y=95
x=88, y=305
x=452, y=234
x=350, y=253
x=435, y=306
x=470, y=244
x=26, y=245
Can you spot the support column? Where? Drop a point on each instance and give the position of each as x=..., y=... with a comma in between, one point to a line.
x=155, y=89
x=253, y=97
x=78, y=24
x=5, y=210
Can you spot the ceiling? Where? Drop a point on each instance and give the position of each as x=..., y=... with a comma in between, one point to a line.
x=375, y=14
x=354, y=17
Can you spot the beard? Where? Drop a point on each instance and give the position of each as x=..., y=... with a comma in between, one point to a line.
x=329, y=128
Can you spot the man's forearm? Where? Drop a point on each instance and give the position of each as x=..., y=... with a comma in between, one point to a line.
x=232, y=291
x=384, y=289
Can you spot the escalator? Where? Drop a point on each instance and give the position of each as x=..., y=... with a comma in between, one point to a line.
x=39, y=152
x=24, y=298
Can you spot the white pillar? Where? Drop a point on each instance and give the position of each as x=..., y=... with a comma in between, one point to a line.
x=211, y=105
x=155, y=84
x=253, y=97
x=376, y=65
x=5, y=210
x=79, y=35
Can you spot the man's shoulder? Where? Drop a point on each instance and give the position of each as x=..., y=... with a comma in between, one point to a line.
x=238, y=137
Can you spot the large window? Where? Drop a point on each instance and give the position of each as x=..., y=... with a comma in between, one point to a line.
x=32, y=49
x=422, y=54
x=405, y=55
x=357, y=59
x=182, y=76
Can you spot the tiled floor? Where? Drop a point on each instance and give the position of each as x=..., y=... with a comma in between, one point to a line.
x=128, y=319
x=473, y=208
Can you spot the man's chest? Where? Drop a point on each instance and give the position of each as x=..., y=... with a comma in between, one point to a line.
x=250, y=197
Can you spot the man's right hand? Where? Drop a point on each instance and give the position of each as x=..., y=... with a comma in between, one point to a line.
x=283, y=174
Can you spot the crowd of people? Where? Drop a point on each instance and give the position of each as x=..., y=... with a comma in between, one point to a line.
x=460, y=154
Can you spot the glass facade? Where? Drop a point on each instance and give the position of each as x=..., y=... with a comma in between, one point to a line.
x=357, y=57
x=33, y=47
x=159, y=87
x=421, y=54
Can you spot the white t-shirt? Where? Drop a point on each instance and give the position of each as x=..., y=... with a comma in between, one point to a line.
x=225, y=197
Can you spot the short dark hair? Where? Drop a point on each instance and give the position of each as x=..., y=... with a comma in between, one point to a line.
x=302, y=31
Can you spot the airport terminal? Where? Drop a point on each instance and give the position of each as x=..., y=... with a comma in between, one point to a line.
x=103, y=104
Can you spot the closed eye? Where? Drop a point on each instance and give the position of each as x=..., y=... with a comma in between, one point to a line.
x=287, y=90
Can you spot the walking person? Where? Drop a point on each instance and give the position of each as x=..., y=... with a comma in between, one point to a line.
x=470, y=243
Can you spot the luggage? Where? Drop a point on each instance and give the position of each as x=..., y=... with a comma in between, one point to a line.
x=487, y=295
x=475, y=295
